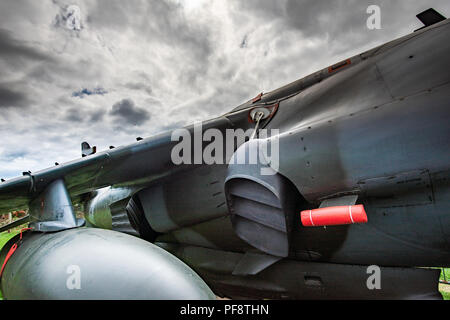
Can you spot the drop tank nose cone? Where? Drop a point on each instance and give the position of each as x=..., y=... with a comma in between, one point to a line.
x=88, y=263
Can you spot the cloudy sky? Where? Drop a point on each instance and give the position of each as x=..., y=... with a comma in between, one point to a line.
x=107, y=71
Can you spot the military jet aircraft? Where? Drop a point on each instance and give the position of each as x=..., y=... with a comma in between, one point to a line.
x=357, y=202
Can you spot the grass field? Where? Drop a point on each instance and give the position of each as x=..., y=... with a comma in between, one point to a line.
x=447, y=274
x=445, y=291
x=443, y=288
x=4, y=238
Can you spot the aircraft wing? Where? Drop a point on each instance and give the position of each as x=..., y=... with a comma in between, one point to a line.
x=131, y=165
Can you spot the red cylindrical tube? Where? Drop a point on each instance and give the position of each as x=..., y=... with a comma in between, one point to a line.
x=332, y=216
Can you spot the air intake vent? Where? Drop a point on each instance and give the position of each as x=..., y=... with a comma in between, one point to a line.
x=262, y=212
x=120, y=220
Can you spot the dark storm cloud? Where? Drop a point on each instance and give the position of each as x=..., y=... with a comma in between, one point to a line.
x=139, y=86
x=17, y=60
x=74, y=115
x=12, y=49
x=9, y=156
x=266, y=9
x=156, y=20
x=16, y=11
x=127, y=111
x=78, y=114
x=63, y=74
x=97, y=116
x=188, y=60
x=318, y=17
x=341, y=22
x=173, y=126
x=312, y=18
x=12, y=98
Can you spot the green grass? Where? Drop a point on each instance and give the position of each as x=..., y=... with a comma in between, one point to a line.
x=4, y=238
x=445, y=295
x=447, y=274
x=445, y=292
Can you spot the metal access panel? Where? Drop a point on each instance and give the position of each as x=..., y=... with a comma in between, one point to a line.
x=187, y=199
x=411, y=188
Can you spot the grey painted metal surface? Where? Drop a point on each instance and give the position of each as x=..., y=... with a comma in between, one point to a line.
x=217, y=233
x=191, y=198
x=98, y=209
x=262, y=206
x=378, y=129
x=111, y=265
x=290, y=279
x=52, y=210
